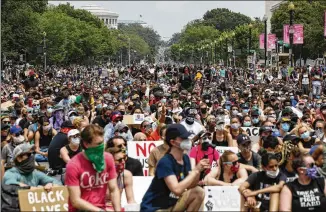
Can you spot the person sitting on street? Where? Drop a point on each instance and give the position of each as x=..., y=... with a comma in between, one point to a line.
x=73, y=148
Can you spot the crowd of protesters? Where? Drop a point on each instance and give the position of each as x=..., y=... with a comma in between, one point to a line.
x=73, y=120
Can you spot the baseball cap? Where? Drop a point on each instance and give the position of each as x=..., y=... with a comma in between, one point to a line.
x=287, y=111
x=285, y=120
x=220, y=120
x=73, y=132
x=255, y=113
x=115, y=115
x=176, y=130
x=242, y=138
x=265, y=129
x=67, y=124
x=21, y=149
x=15, y=129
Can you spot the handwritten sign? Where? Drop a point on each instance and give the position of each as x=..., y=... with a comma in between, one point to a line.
x=222, y=198
x=222, y=149
x=253, y=133
x=140, y=150
x=41, y=200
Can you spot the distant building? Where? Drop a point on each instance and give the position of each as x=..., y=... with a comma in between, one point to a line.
x=109, y=18
x=270, y=7
x=143, y=23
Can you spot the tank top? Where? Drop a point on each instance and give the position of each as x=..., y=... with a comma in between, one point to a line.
x=309, y=143
x=224, y=142
x=221, y=177
x=72, y=153
x=45, y=140
x=309, y=197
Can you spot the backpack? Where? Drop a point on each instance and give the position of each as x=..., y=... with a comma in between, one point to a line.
x=9, y=197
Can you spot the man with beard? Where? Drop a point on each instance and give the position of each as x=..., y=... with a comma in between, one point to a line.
x=104, y=118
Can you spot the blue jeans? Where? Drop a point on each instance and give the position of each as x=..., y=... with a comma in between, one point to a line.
x=41, y=158
x=316, y=90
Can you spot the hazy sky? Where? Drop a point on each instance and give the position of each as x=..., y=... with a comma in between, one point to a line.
x=168, y=17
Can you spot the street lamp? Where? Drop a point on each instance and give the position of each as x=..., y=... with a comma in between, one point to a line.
x=215, y=51
x=291, y=30
x=129, y=51
x=220, y=41
x=265, y=39
x=212, y=52
x=232, y=44
x=249, y=46
x=44, y=50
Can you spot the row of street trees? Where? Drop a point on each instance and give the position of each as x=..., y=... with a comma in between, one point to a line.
x=73, y=36
x=207, y=39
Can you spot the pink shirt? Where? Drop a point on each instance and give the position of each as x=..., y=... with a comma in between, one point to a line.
x=198, y=154
x=93, y=185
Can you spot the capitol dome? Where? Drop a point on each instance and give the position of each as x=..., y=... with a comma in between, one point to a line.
x=109, y=18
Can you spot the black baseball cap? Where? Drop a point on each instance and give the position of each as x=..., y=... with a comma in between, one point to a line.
x=242, y=138
x=176, y=130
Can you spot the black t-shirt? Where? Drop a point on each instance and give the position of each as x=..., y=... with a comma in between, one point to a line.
x=259, y=180
x=290, y=176
x=22, y=122
x=254, y=161
x=309, y=197
x=99, y=120
x=59, y=140
x=308, y=144
x=134, y=166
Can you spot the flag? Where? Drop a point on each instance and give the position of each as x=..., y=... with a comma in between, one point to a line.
x=298, y=34
x=261, y=40
x=286, y=37
x=271, y=39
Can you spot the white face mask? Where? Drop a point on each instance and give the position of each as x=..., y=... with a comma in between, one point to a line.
x=272, y=174
x=124, y=135
x=46, y=128
x=186, y=145
x=18, y=140
x=75, y=141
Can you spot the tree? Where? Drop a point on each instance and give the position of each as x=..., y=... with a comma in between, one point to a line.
x=311, y=16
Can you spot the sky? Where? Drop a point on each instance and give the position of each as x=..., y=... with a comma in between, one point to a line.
x=168, y=17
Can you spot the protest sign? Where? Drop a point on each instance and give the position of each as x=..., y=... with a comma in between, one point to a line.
x=41, y=200
x=138, y=118
x=222, y=149
x=222, y=198
x=253, y=133
x=140, y=150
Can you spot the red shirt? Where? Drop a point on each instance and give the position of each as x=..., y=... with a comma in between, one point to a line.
x=93, y=185
x=154, y=136
x=198, y=154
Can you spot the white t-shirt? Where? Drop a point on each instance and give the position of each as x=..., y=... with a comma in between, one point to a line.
x=194, y=128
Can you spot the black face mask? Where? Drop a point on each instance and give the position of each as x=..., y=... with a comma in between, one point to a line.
x=122, y=112
x=26, y=166
x=203, y=110
x=32, y=78
x=3, y=137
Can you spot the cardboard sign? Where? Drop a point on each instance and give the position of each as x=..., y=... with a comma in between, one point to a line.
x=140, y=150
x=133, y=119
x=222, y=198
x=41, y=200
x=253, y=133
x=222, y=149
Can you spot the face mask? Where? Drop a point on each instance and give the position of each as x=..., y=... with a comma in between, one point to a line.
x=26, y=166
x=245, y=110
x=49, y=110
x=203, y=110
x=220, y=127
x=227, y=107
x=37, y=107
x=186, y=145
x=207, y=140
x=285, y=127
x=255, y=107
x=291, y=97
x=235, y=168
x=71, y=118
x=122, y=112
x=312, y=172
x=255, y=120
x=120, y=167
x=47, y=128
x=272, y=174
x=18, y=140
x=235, y=126
x=305, y=135
x=235, y=112
x=96, y=156
x=124, y=135
x=56, y=90
x=75, y=141
x=318, y=105
x=247, y=124
x=190, y=120
x=319, y=133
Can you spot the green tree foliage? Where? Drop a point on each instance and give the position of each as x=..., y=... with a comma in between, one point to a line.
x=311, y=15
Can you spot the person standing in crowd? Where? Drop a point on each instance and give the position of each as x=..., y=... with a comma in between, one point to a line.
x=307, y=192
x=174, y=185
x=84, y=193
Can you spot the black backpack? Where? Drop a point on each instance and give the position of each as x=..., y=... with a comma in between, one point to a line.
x=9, y=197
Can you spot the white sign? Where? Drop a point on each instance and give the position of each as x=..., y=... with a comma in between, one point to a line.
x=138, y=118
x=253, y=133
x=222, y=149
x=222, y=198
x=140, y=150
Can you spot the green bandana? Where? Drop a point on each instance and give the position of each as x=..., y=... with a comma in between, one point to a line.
x=96, y=156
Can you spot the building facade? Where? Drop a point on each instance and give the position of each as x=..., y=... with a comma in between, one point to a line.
x=109, y=18
x=270, y=6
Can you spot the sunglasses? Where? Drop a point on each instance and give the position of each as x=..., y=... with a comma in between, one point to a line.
x=19, y=133
x=6, y=122
x=121, y=159
x=76, y=136
x=310, y=165
x=232, y=163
